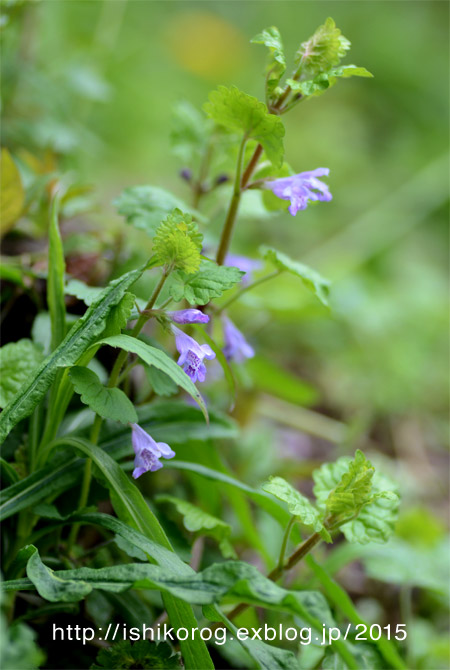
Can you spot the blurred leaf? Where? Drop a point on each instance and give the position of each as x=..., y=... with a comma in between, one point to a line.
x=196, y=520
x=146, y=206
x=238, y=111
x=276, y=65
x=310, y=278
x=178, y=242
x=109, y=403
x=323, y=50
x=298, y=505
x=190, y=130
x=141, y=654
x=11, y=192
x=160, y=382
x=82, y=291
x=209, y=282
x=271, y=378
x=119, y=315
x=160, y=360
x=76, y=342
x=18, y=360
x=324, y=80
x=55, y=278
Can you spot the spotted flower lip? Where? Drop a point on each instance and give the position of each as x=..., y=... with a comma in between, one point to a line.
x=301, y=188
x=192, y=354
x=188, y=316
x=147, y=451
x=244, y=264
x=236, y=346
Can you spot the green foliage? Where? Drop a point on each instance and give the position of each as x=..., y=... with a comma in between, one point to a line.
x=11, y=190
x=18, y=648
x=196, y=520
x=76, y=342
x=190, y=130
x=313, y=281
x=82, y=291
x=363, y=503
x=145, y=207
x=323, y=50
x=161, y=383
x=209, y=282
x=177, y=243
x=276, y=64
x=239, y=111
x=298, y=505
x=160, y=360
x=18, y=360
x=141, y=654
x=109, y=403
x=324, y=80
x=55, y=280
x=119, y=315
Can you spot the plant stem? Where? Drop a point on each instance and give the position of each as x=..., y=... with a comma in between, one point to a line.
x=251, y=166
x=277, y=572
x=244, y=289
x=233, y=208
x=285, y=541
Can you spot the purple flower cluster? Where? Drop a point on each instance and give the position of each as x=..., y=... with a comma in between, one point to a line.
x=236, y=346
x=188, y=316
x=192, y=354
x=301, y=188
x=147, y=451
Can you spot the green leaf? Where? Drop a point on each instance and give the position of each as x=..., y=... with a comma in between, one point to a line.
x=160, y=360
x=276, y=64
x=78, y=339
x=196, y=520
x=189, y=133
x=110, y=403
x=161, y=383
x=239, y=111
x=55, y=279
x=364, y=505
x=209, y=282
x=18, y=360
x=178, y=242
x=321, y=82
x=12, y=193
x=298, y=505
x=313, y=281
x=80, y=290
x=119, y=315
x=141, y=654
x=269, y=377
x=323, y=50
x=146, y=206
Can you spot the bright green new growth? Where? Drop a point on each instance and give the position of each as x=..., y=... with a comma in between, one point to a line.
x=321, y=82
x=276, y=62
x=196, y=520
x=323, y=50
x=18, y=360
x=178, y=242
x=313, y=281
x=239, y=111
x=109, y=403
x=298, y=505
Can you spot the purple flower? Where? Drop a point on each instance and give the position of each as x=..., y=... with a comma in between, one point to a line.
x=236, y=346
x=300, y=188
x=244, y=264
x=192, y=354
x=148, y=452
x=188, y=316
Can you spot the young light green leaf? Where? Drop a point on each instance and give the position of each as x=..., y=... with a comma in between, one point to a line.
x=323, y=50
x=178, y=242
x=160, y=360
x=77, y=341
x=276, y=64
x=321, y=82
x=18, y=360
x=55, y=279
x=298, y=505
x=239, y=111
x=209, y=282
x=146, y=206
x=109, y=403
x=310, y=278
x=196, y=520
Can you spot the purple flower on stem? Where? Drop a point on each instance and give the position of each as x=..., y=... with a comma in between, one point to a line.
x=236, y=346
x=300, y=188
x=148, y=452
x=188, y=316
x=192, y=354
x=244, y=264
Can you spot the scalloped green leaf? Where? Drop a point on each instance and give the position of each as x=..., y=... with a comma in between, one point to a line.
x=276, y=62
x=239, y=111
x=110, y=403
x=313, y=281
x=178, y=242
x=321, y=82
x=209, y=282
x=18, y=360
x=323, y=50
